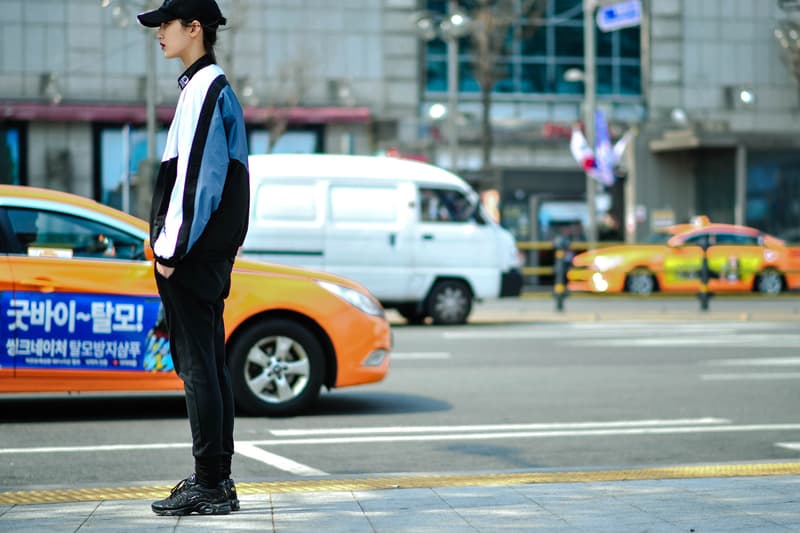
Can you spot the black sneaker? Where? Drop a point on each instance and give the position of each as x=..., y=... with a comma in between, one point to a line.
x=230, y=492
x=189, y=496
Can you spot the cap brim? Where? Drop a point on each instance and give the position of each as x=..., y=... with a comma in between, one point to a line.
x=154, y=18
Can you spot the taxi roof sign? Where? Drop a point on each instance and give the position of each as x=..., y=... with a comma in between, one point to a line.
x=620, y=15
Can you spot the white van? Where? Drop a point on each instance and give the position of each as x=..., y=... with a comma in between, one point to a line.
x=413, y=234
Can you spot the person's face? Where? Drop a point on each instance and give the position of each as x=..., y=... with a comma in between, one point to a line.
x=175, y=38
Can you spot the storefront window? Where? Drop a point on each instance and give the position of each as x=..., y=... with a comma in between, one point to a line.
x=113, y=152
x=773, y=193
x=290, y=142
x=11, y=155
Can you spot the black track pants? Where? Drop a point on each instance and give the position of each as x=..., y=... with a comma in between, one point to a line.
x=193, y=299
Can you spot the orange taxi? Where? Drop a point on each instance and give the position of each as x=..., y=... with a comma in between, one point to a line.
x=740, y=259
x=80, y=312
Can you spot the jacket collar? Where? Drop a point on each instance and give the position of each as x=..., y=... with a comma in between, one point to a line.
x=183, y=79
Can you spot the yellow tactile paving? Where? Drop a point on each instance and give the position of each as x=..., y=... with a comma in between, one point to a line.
x=408, y=482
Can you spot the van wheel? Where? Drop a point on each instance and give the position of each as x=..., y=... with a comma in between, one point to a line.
x=411, y=313
x=449, y=302
x=277, y=368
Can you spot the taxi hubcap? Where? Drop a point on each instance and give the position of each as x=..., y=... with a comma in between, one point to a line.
x=277, y=369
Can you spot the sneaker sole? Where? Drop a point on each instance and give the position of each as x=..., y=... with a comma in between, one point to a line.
x=200, y=508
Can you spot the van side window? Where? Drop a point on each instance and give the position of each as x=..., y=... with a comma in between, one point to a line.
x=363, y=204
x=284, y=202
x=444, y=205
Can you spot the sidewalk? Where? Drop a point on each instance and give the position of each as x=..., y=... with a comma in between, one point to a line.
x=541, y=307
x=617, y=501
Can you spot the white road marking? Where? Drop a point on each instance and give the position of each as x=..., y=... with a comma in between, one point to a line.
x=732, y=341
x=420, y=355
x=532, y=434
x=281, y=463
x=495, y=427
x=91, y=449
x=750, y=376
x=624, y=329
x=249, y=446
x=763, y=361
x=789, y=445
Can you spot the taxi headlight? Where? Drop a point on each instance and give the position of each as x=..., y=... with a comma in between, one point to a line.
x=357, y=299
x=605, y=262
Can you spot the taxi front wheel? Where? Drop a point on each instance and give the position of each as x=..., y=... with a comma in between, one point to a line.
x=277, y=368
x=640, y=281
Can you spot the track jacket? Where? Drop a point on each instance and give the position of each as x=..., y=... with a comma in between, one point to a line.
x=202, y=195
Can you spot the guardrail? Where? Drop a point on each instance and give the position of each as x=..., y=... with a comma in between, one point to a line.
x=540, y=269
x=556, y=272
x=538, y=264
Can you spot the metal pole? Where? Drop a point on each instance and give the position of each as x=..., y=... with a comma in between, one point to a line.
x=630, y=189
x=452, y=90
x=590, y=104
x=150, y=95
x=740, y=190
x=126, y=168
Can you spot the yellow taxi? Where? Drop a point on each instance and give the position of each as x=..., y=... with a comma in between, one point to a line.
x=740, y=259
x=81, y=313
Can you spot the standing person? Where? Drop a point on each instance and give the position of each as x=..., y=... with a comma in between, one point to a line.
x=198, y=221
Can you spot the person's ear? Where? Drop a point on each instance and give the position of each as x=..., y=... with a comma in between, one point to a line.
x=195, y=28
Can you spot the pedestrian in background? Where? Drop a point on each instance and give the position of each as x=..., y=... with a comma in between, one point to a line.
x=198, y=221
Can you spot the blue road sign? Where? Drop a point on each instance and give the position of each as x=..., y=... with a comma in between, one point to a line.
x=619, y=15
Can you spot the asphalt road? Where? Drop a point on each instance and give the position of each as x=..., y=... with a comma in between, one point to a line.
x=491, y=396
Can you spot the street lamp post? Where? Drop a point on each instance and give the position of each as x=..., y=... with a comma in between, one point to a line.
x=452, y=88
x=589, y=108
x=451, y=28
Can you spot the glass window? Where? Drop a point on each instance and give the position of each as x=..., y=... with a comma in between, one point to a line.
x=773, y=193
x=467, y=81
x=700, y=239
x=11, y=158
x=733, y=238
x=629, y=43
x=290, y=142
x=48, y=234
x=553, y=36
x=113, y=151
x=534, y=79
x=534, y=41
x=444, y=205
x=436, y=75
x=363, y=204
x=630, y=80
x=569, y=41
x=505, y=79
x=285, y=202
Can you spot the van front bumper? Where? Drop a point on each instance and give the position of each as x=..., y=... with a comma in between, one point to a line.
x=511, y=283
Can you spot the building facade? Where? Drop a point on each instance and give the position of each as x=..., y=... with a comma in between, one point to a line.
x=707, y=87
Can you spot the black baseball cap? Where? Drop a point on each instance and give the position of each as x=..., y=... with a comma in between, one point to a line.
x=204, y=11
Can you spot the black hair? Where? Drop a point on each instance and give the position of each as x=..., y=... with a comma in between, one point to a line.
x=209, y=36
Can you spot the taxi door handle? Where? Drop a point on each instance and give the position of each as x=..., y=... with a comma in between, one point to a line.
x=42, y=283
